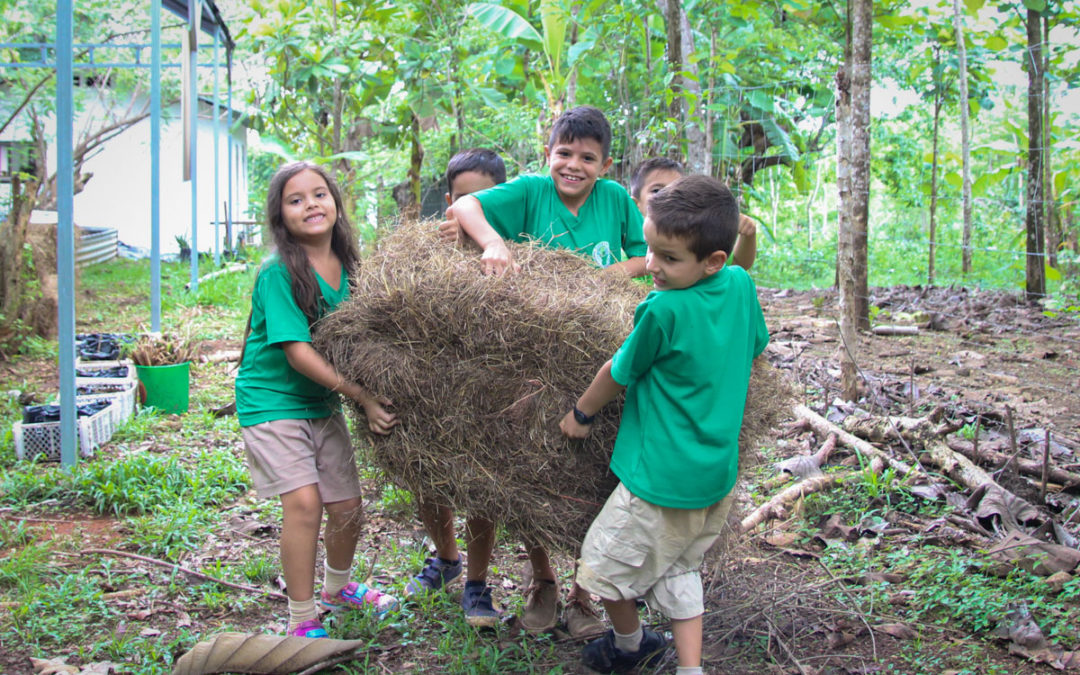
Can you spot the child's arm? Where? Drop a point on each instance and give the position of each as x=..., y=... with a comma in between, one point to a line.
x=602, y=391
x=631, y=267
x=470, y=216
x=745, y=244
x=309, y=363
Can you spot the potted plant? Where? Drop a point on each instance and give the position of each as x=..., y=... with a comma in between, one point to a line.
x=163, y=364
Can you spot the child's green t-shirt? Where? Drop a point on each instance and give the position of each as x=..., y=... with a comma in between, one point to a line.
x=267, y=387
x=686, y=366
x=529, y=207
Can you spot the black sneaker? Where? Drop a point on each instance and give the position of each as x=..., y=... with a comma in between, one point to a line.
x=603, y=656
x=479, y=610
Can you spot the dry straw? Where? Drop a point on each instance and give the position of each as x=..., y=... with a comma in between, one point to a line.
x=480, y=369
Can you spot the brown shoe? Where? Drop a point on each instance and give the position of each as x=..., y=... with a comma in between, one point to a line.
x=582, y=620
x=541, y=606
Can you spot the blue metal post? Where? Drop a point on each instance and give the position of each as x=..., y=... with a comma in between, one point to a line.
x=155, y=165
x=65, y=228
x=229, y=148
x=194, y=22
x=217, y=156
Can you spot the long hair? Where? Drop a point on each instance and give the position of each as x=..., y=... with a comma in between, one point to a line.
x=305, y=287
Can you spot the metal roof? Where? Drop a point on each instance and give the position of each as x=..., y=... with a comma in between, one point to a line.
x=211, y=20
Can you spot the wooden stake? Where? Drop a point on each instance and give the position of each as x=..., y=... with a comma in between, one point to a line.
x=1046, y=467
x=1012, y=442
x=975, y=449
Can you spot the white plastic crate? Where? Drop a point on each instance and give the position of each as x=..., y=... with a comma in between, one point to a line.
x=123, y=401
x=131, y=375
x=34, y=440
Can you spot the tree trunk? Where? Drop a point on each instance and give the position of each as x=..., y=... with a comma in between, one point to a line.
x=845, y=261
x=687, y=88
x=1053, y=233
x=861, y=35
x=965, y=139
x=1035, y=282
x=416, y=161
x=933, y=183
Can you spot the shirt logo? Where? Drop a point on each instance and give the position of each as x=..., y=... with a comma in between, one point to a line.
x=602, y=255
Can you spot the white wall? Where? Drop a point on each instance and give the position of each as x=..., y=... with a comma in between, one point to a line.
x=118, y=195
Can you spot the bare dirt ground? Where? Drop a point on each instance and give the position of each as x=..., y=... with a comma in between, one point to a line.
x=772, y=606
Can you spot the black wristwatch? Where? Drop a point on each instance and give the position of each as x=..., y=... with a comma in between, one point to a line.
x=582, y=418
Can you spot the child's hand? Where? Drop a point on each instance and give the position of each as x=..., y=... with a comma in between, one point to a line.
x=570, y=427
x=380, y=421
x=497, y=260
x=450, y=229
x=747, y=226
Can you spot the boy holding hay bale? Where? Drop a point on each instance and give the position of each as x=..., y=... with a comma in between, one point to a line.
x=656, y=173
x=570, y=208
x=676, y=452
x=468, y=171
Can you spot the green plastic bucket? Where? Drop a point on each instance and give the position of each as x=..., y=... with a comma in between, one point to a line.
x=166, y=386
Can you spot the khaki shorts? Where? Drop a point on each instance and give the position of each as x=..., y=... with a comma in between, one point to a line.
x=635, y=549
x=284, y=455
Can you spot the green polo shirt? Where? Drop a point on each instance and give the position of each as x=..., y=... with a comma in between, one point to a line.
x=267, y=387
x=529, y=207
x=686, y=366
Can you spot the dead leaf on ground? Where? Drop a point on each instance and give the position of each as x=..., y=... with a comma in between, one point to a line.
x=1034, y=556
x=267, y=654
x=58, y=667
x=900, y=631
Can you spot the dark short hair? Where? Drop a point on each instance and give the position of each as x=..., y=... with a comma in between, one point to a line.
x=584, y=121
x=642, y=171
x=480, y=160
x=700, y=210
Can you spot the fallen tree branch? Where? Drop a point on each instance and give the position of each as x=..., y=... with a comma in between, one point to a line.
x=824, y=427
x=770, y=510
x=1028, y=467
x=199, y=575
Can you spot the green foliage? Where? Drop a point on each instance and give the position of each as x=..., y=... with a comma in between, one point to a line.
x=138, y=484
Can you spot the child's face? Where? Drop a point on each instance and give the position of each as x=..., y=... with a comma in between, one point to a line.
x=575, y=166
x=655, y=181
x=308, y=208
x=466, y=183
x=672, y=264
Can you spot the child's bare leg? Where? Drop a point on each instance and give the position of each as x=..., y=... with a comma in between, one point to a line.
x=439, y=522
x=479, y=544
x=687, y=635
x=343, y=524
x=541, y=564
x=302, y=514
x=624, y=615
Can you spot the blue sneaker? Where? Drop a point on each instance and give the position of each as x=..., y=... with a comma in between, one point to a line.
x=309, y=629
x=479, y=610
x=436, y=574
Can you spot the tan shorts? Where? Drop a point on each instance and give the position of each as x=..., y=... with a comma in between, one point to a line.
x=635, y=549
x=284, y=455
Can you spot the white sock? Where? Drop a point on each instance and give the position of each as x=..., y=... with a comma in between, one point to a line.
x=629, y=643
x=688, y=670
x=334, y=580
x=301, y=611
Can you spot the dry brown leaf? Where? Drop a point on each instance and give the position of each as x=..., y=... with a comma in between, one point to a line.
x=1034, y=556
x=781, y=539
x=267, y=654
x=900, y=631
x=801, y=466
x=52, y=666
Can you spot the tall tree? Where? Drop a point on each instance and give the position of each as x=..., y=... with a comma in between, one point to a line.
x=965, y=137
x=853, y=105
x=1035, y=280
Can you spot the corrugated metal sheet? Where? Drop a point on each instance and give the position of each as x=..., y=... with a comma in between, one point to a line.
x=95, y=245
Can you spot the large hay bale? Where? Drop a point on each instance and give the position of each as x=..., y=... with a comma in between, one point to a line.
x=481, y=369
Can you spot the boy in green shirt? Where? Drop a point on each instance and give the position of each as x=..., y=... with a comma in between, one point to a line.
x=686, y=368
x=656, y=173
x=574, y=208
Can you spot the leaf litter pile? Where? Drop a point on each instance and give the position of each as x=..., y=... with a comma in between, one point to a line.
x=481, y=369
